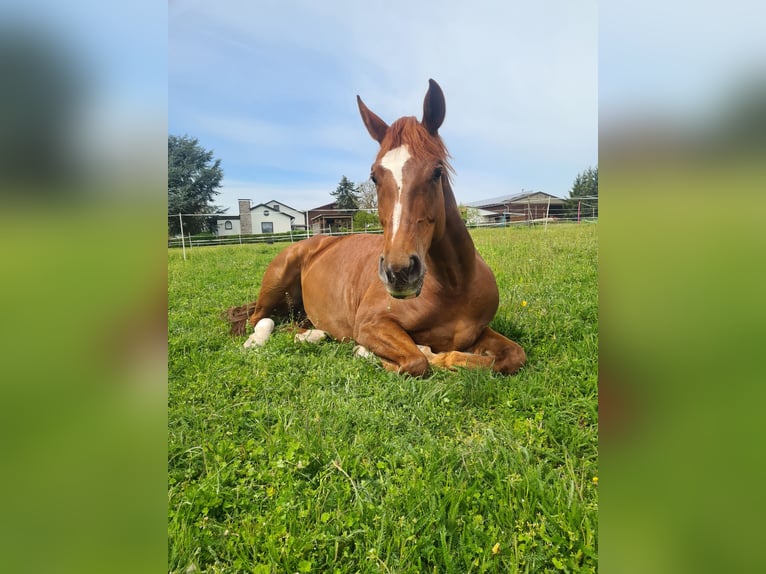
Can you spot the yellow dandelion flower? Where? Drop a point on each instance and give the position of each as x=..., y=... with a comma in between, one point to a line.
x=523, y=303
x=595, y=481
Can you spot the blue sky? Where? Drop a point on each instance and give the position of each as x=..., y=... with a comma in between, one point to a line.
x=270, y=87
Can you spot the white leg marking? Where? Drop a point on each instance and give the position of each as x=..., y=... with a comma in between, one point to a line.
x=394, y=161
x=360, y=351
x=427, y=352
x=310, y=336
x=261, y=333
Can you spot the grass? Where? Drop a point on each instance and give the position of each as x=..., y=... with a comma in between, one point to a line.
x=300, y=458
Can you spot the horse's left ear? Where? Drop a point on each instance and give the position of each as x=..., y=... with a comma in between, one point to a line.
x=434, y=108
x=372, y=122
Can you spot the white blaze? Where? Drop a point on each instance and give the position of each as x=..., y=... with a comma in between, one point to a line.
x=394, y=161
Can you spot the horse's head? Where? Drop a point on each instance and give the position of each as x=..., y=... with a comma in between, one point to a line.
x=409, y=172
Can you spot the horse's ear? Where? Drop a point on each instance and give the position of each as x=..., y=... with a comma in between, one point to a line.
x=434, y=108
x=372, y=122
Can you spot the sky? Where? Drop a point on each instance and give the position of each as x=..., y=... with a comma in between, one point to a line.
x=270, y=87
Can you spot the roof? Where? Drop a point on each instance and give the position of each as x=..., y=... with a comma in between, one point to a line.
x=326, y=207
x=271, y=211
x=272, y=201
x=266, y=204
x=522, y=197
x=331, y=207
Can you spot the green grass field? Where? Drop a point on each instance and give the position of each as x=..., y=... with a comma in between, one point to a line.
x=300, y=458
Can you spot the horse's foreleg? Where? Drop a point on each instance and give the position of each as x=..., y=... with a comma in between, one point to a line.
x=491, y=351
x=452, y=359
x=506, y=356
x=394, y=347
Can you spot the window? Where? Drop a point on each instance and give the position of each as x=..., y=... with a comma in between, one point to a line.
x=267, y=227
x=227, y=225
x=266, y=213
x=275, y=207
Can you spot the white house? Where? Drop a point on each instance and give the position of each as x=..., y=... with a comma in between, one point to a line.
x=269, y=217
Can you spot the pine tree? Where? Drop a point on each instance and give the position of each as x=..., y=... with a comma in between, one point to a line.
x=346, y=196
x=585, y=185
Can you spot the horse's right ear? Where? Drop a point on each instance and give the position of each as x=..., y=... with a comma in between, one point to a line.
x=434, y=108
x=372, y=122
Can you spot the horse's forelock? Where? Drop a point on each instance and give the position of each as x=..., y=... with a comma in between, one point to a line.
x=409, y=131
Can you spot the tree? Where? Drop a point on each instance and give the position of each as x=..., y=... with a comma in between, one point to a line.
x=364, y=220
x=469, y=215
x=193, y=180
x=585, y=185
x=368, y=195
x=368, y=200
x=346, y=196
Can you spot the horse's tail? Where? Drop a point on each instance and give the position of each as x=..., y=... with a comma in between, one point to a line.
x=238, y=317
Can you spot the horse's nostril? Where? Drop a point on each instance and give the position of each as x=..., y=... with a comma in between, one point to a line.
x=415, y=266
x=409, y=273
x=386, y=272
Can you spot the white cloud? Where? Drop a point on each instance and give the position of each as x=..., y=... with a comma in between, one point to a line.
x=281, y=78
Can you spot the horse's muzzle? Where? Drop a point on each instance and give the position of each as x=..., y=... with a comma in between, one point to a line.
x=402, y=281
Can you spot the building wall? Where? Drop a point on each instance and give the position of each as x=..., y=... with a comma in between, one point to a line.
x=281, y=221
x=221, y=227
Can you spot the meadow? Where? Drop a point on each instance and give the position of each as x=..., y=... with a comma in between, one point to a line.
x=304, y=458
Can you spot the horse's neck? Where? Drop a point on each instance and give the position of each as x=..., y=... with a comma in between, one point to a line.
x=453, y=256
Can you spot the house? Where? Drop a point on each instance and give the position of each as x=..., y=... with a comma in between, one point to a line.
x=525, y=206
x=328, y=218
x=269, y=217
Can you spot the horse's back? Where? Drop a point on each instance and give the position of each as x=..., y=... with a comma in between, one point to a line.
x=331, y=247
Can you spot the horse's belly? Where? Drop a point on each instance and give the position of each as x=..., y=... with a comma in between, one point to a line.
x=334, y=281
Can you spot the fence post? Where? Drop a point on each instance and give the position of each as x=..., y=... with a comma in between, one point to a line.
x=547, y=211
x=578, y=211
x=183, y=245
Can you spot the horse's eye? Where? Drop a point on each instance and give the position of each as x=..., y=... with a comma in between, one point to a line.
x=437, y=173
x=372, y=178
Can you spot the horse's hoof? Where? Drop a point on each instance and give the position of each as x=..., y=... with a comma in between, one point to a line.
x=360, y=351
x=261, y=333
x=310, y=336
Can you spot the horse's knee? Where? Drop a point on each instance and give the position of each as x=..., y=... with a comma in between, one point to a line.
x=514, y=359
x=415, y=366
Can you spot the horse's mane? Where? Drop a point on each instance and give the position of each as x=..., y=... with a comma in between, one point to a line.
x=408, y=130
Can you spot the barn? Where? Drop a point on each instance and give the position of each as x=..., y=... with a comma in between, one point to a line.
x=525, y=206
x=329, y=219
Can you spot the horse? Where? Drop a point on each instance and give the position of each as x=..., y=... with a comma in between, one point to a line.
x=418, y=296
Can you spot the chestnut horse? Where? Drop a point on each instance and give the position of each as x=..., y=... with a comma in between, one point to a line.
x=418, y=295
